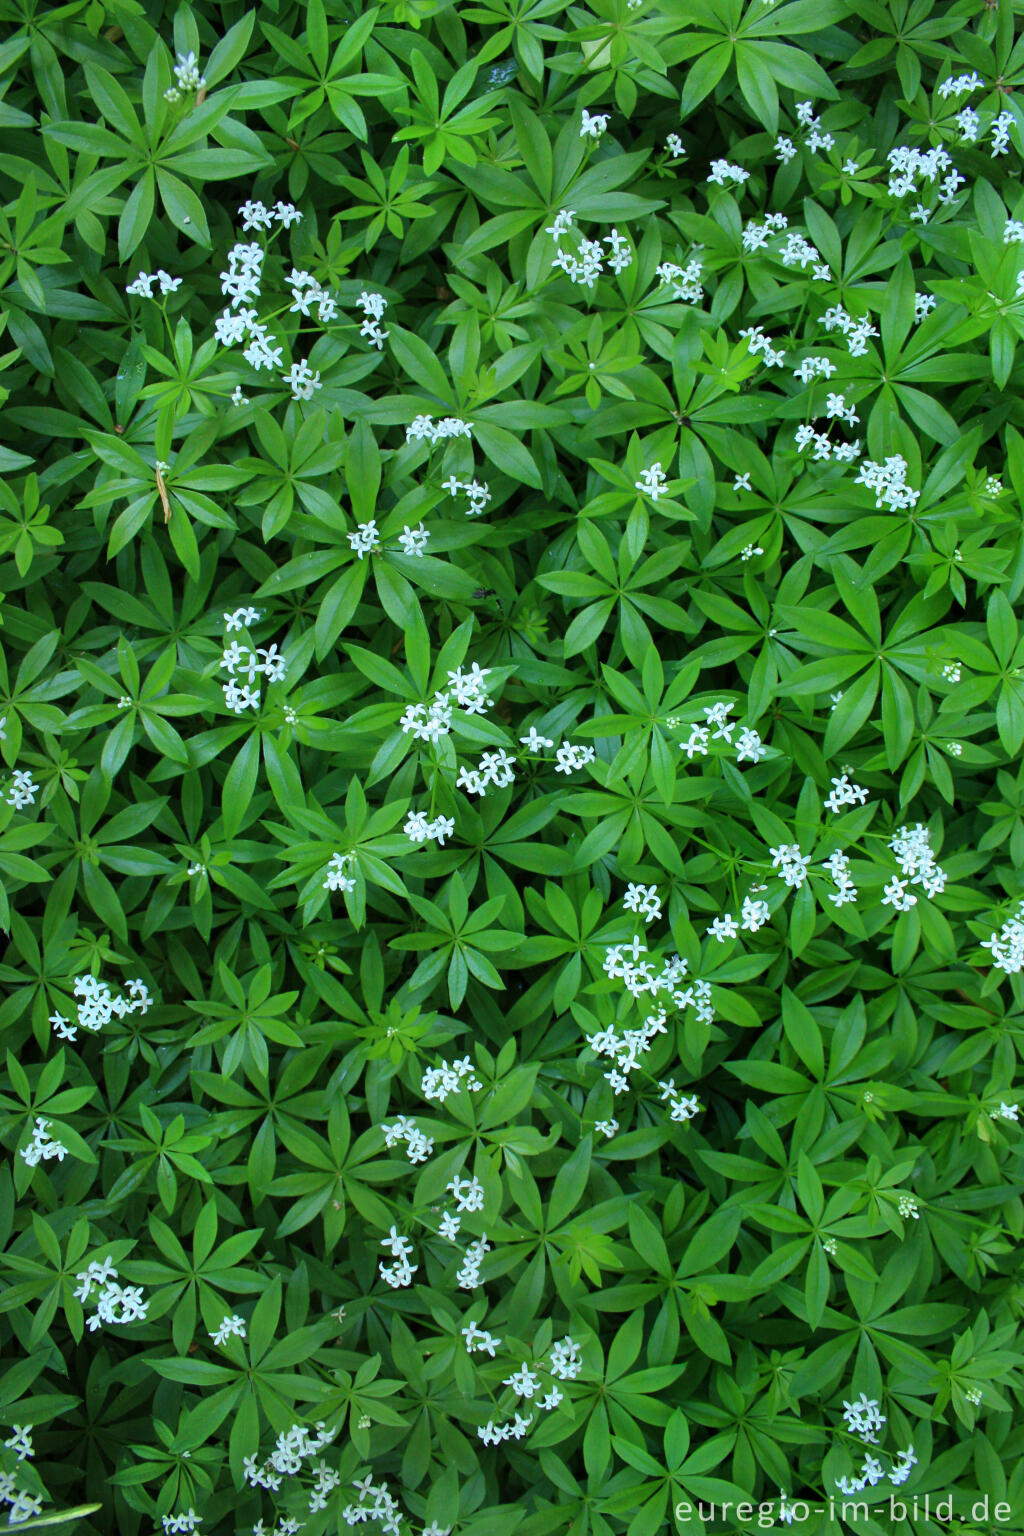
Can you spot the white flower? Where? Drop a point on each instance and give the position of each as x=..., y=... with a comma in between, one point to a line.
x=907, y=1458
x=593, y=126
x=186, y=72
x=523, y=1382
x=23, y=790
x=863, y=1417
x=43, y=1145
x=365, y=538
x=569, y=756
x=20, y=1441
x=844, y=793
x=722, y=171
x=674, y=146
x=749, y=746
x=302, y=381
x=232, y=1325
x=643, y=899
x=652, y=482
x=566, y=1360
x=468, y=1193
x=414, y=540
x=255, y=215
x=897, y=896
x=337, y=879
x=685, y=282
x=533, y=742
x=791, y=864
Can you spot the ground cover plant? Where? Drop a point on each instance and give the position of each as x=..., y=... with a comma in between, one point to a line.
x=512, y=820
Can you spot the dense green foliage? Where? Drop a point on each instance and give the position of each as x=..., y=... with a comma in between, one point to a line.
x=512, y=831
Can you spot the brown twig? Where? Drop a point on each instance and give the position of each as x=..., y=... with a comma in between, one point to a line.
x=164, y=499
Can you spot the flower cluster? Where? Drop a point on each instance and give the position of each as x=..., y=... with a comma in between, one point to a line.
x=681, y=1106
x=293, y=1447
x=384, y=1510
x=256, y=215
x=791, y=864
x=586, y=265
x=643, y=899
x=1007, y=946
x=98, y=1005
x=889, y=482
x=418, y=1146
x=42, y=1145
x=302, y=381
x=479, y=1339
x=824, y=447
x=748, y=746
x=565, y=1362
x=478, y=492
x=857, y=332
x=418, y=829
x=401, y=1272
x=306, y=291
x=652, y=482
x=366, y=538
x=232, y=1326
x=495, y=768
x=685, y=282
x=761, y=344
x=864, y=1418
x=756, y=236
x=336, y=877
x=813, y=137
x=373, y=306
x=838, y=866
x=844, y=793
x=569, y=757
x=468, y=1275
x=799, y=252
x=438, y=1082
x=425, y=427
x=623, y=962
x=960, y=85
x=115, y=1304
x=241, y=660
x=23, y=789
x=142, y=287
x=917, y=861
x=185, y=1522
x=722, y=172
x=187, y=78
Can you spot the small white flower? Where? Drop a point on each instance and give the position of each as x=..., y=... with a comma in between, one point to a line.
x=652, y=482
x=302, y=381
x=232, y=1325
x=365, y=538
x=414, y=540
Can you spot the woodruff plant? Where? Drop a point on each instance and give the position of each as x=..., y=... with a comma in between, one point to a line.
x=511, y=733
